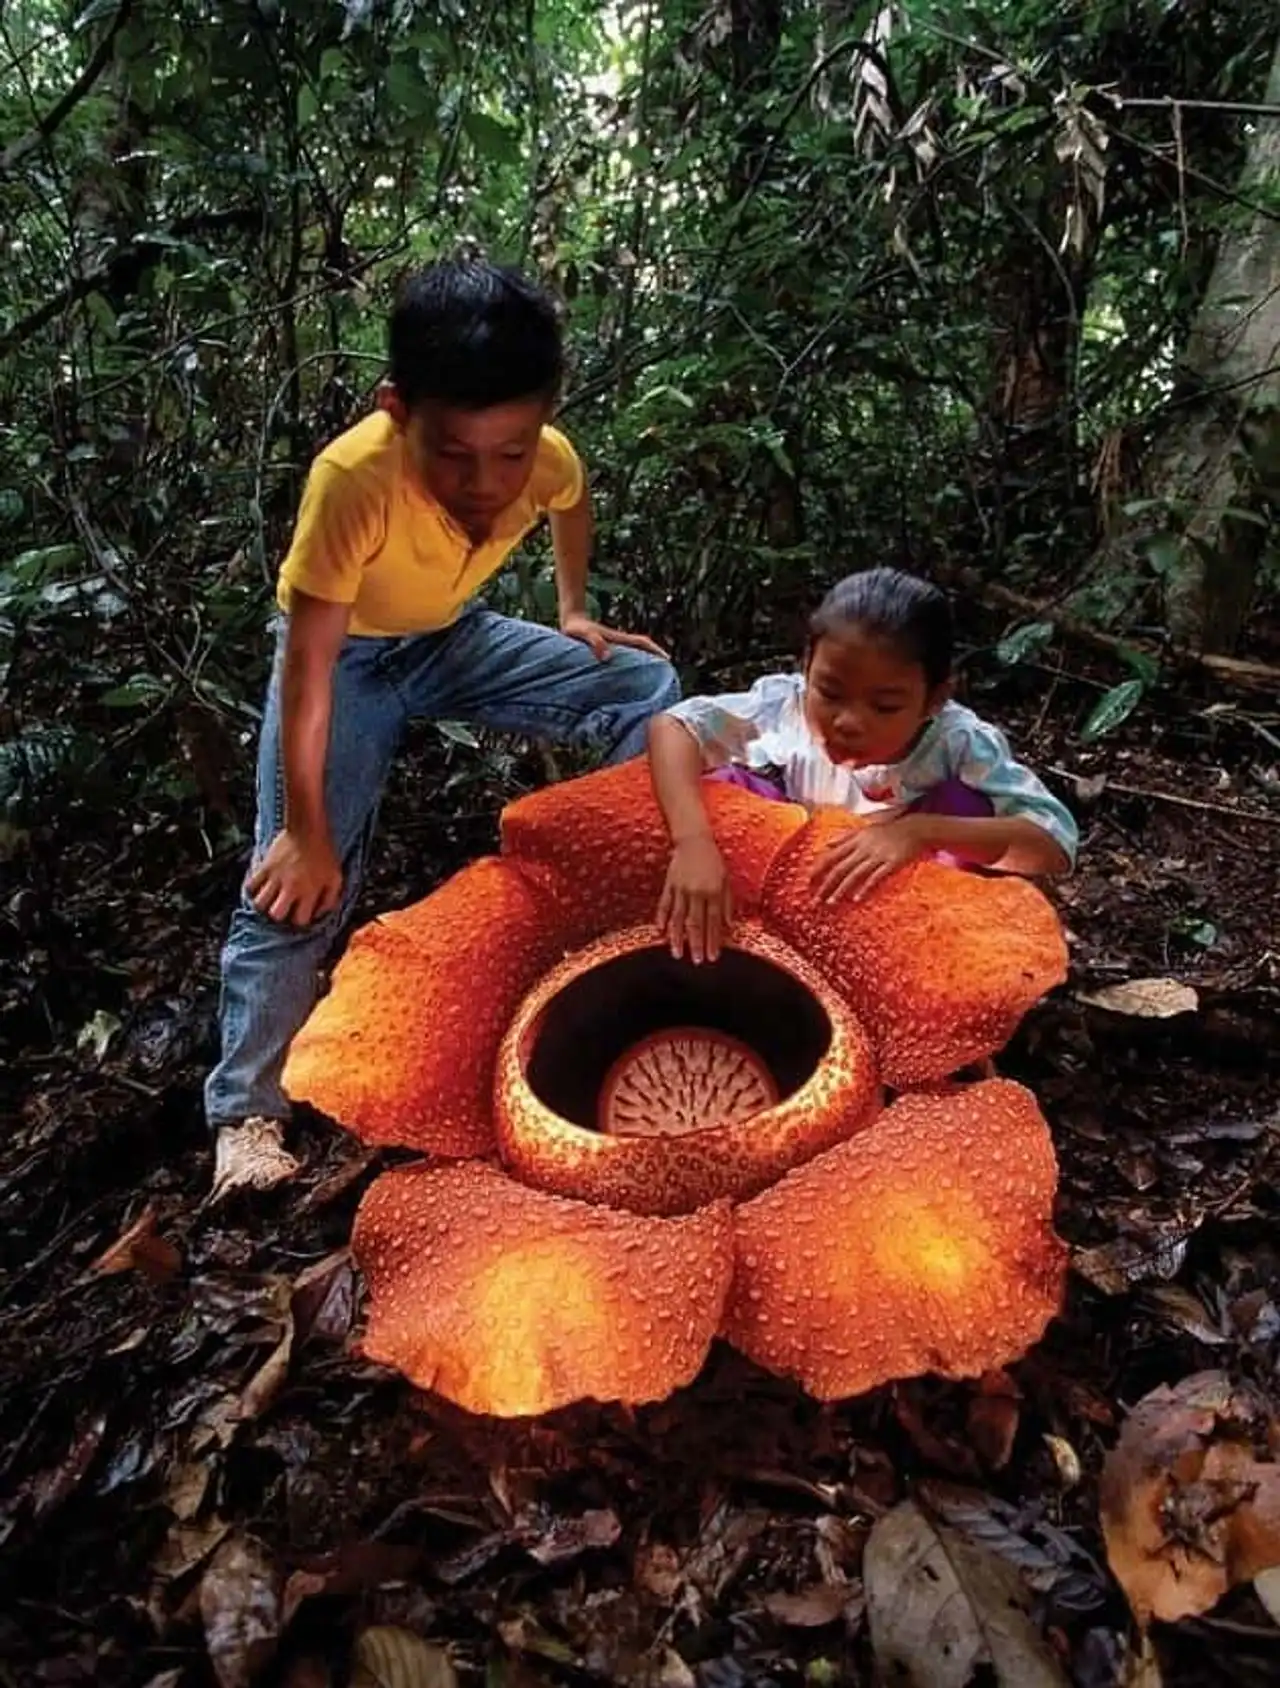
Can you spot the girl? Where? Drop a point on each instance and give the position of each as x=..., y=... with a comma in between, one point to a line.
x=868, y=726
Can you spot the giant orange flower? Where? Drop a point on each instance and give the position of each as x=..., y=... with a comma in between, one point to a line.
x=628, y=1155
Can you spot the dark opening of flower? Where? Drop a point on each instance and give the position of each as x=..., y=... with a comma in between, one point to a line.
x=645, y=1045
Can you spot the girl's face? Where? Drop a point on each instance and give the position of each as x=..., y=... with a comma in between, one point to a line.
x=864, y=700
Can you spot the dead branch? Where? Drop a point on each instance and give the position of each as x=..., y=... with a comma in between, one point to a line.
x=1228, y=670
x=1201, y=805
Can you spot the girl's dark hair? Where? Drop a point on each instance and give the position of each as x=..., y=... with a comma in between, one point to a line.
x=906, y=612
x=469, y=334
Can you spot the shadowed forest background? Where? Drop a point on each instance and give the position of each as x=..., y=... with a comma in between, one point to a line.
x=990, y=291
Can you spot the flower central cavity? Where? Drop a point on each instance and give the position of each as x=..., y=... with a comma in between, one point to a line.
x=637, y=1044
x=685, y=1079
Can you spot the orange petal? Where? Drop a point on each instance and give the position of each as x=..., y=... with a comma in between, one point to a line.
x=835, y=1093
x=402, y=1049
x=924, y=1244
x=512, y=1302
x=600, y=845
x=939, y=964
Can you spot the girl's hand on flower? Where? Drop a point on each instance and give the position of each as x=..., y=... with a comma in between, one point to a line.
x=856, y=862
x=696, y=907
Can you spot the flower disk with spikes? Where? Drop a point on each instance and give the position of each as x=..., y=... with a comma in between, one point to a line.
x=628, y=1155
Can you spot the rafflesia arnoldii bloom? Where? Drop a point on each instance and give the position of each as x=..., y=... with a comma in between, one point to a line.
x=628, y=1155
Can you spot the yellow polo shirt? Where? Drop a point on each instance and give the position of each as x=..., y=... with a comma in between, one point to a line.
x=369, y=536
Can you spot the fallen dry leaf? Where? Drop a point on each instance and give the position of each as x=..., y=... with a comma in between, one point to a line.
x=939, y=1606
x=993, y=1417
x=307, y=1673
x=566, y=1538
x=1116, y=1267
x=139, y=1249
x=811, y=1608
x=1144, y=999
x=386, y=1657
x=323, y=1300
x=1266, y=1585
x=185, y=1491
x=1141, y=1669
x=49, y=1489
x=1065, y=1459
x=353, y=1569
x=240, y=1608
x=266, y=1383
x=1188, y=1510
x=189, y=1545
x=657, y=1570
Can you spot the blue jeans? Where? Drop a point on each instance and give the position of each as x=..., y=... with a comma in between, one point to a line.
x=487, y=669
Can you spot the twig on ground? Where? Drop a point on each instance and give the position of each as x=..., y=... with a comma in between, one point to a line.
x=1200, y=804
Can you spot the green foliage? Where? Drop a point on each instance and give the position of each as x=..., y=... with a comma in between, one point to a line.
x=897, y=287
x=1113, y=708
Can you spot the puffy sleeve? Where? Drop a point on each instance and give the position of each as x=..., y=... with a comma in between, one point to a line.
x=341, y=525
x=558, y=478
x=979, y=755
x=726, y=726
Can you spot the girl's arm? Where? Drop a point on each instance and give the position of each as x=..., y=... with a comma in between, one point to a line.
x=855, y=862
x=1031, y=832
x=1010, y=843
x=696, y=907
x=700, y=733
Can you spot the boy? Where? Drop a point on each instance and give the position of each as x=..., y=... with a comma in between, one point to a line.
x=404, y=518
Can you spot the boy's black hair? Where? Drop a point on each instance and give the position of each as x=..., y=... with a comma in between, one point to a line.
x=906, y=612
x=470, y=334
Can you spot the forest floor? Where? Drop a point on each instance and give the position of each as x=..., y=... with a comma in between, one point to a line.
x=199, y=1476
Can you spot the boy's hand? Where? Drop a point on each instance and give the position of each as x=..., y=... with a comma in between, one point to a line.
x=298, y=879
x=696, y=906
x=856, y=862
x=580, y=626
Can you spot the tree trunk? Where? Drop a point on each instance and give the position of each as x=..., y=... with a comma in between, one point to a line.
x=1214, y=465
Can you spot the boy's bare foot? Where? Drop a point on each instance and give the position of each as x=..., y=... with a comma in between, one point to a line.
x=250, y=1156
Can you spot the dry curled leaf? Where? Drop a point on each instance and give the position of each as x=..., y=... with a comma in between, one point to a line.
x=562, y=1539
x=1144, y=999
x=323, y=1299
x=240, y=1607
x=266, y=1383
x=812, y=1607
x=993, y=1416
x=1266, y=1585
x=1116, y=1267
x=386, y=1657
x=1188, y=1508
x=1066, y=1460
x=940, y=1606
x=50, y=1488
x=139, y=1249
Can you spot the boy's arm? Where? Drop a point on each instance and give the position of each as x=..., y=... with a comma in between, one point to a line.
x=316, y=632
x=571, y=534
x=300, y=877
